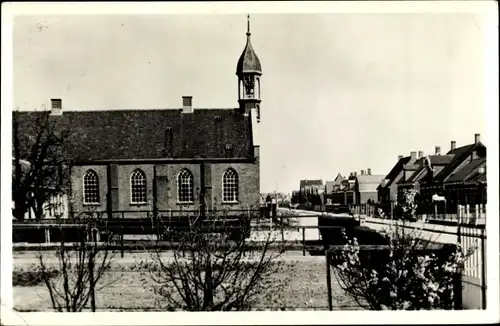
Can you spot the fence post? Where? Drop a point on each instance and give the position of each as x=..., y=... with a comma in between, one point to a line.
x=483, y=268
x=47, y=235
x=303, y=241
x=121, y=241
x=91, y=277
x=329, y=280
x=457, y=292
x=282, y=230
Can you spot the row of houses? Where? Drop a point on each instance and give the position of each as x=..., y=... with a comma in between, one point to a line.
x=455, y=178
x=354, y=189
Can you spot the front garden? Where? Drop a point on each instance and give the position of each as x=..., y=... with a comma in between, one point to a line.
x=130, y=289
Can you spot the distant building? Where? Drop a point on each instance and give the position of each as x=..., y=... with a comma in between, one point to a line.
x=366, y=187
x=335, y=185
x=353, y=190
x=311, y=187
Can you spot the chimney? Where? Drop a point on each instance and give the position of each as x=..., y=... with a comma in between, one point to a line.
x=420, y=154
x=369, y=171
x=55, y=106
x=413, y=156
x=362, y=172
x=477, y=138
x=229, y=150
x=400, y=157
x=438, y=150
x=187, y=104
x=453, y=145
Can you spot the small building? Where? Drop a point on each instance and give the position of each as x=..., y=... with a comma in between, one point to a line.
x=311, y=187
x=366, y=187
x=335, y=185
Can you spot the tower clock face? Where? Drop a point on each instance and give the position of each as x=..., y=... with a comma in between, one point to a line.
x=249, y=83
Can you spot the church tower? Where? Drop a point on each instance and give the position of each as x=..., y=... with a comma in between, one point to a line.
x=249, y=72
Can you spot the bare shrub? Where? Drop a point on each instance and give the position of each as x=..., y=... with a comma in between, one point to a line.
x=81, y=264
x=213, y=268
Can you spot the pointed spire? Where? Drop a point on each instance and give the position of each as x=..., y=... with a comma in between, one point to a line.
x=248, y=62
x=248, y=25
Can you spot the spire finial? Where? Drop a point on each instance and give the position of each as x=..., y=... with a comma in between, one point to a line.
x=248, y=24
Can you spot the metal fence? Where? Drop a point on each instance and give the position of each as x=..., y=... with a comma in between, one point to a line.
x=471, y=214
x=472, y=238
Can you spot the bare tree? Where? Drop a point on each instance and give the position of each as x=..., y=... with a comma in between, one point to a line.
x=211, y=268
x=39, y=165
x=81, y=265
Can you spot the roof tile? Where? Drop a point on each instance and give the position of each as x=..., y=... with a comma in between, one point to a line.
x=141, y=134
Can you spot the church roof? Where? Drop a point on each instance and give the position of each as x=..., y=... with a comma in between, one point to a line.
x=148, y=134
x=248, y=62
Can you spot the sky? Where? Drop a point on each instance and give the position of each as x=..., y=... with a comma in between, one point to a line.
x=340, y=92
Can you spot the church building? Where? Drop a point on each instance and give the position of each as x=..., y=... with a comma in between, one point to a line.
x=132, y=162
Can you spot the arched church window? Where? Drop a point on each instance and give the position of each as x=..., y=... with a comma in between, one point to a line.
x=90, y=187
x=138, y=191
x=185, y=186
x=230, y=186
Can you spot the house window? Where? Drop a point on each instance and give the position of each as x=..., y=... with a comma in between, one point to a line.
x=138, y=187
x=185, y=186
x=90, y=188
x=230, y=186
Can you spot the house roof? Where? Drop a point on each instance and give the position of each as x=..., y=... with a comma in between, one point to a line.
x=423, y=171
x=460, y=154
x=396, y=169
x=469, y=172
x=441, y=159
x=369, y=182
x=481, y=178
x=338, y=179
x=145, y=134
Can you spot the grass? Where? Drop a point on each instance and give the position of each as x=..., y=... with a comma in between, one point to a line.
x=304, y=281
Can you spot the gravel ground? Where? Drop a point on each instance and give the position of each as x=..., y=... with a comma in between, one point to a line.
x=304, y=280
